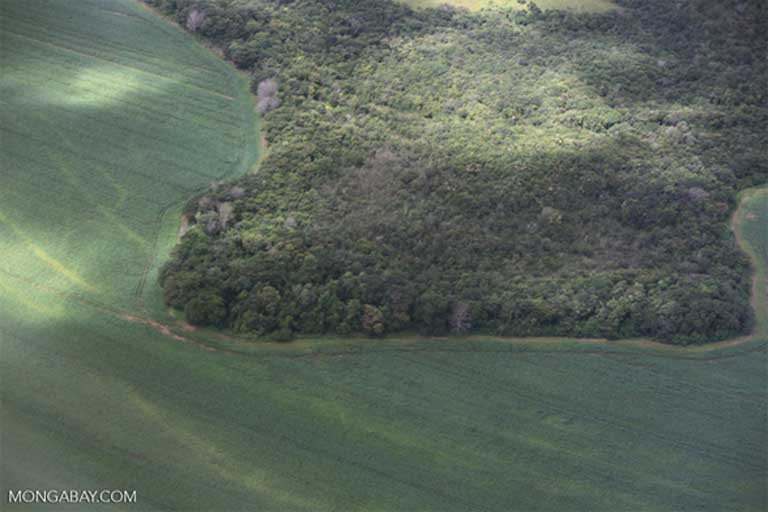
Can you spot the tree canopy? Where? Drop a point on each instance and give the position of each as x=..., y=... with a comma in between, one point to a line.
x=511, y=172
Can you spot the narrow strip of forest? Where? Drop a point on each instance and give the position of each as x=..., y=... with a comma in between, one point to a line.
x=747, y=222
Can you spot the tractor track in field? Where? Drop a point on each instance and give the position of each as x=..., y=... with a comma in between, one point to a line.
x=138, y=293
x=106, y=309
x=753, y=258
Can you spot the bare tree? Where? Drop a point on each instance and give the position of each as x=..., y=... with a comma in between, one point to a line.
x=226, y=212
x=265, y=105
x=267, y=88
x=195, y=20
x=266, y=96
x=236, y=192
x=460, y=317
x=697, y=193
x=205, y=203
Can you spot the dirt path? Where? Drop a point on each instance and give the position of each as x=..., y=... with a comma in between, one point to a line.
x=163, y=329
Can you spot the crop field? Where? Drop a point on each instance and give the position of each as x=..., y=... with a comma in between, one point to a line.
x=473, y=5
x=112, y=117
x=752, y=226
x=111, y=120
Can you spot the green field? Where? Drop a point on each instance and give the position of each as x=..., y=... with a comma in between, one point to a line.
x=473, y=5
x=751, y=224
x=111, y=118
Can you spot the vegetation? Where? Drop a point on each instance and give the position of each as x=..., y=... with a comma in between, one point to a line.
x=473, y=5
x=93, y=398
x=86, y=89
x=508, y=172
x=750, y=223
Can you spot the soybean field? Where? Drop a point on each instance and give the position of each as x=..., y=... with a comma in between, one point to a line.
x=111, y=119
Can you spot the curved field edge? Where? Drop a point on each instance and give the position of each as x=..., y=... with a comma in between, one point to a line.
x=128, y=133
x=252, y=153
x=745, y=222
x=750, y=225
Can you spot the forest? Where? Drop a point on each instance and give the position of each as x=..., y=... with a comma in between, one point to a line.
x=511, y=172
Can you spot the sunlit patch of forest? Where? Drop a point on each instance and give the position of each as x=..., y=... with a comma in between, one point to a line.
x=473, y=5
x=516, y=172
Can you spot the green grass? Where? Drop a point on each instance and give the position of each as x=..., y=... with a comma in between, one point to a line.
x=98, y=153
x=474, y=5
x=112, y=118
x=752, y=226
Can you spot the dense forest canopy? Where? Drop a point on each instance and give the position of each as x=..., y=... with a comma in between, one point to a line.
x=517, y=172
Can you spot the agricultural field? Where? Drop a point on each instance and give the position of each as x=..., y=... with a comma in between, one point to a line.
x=112, y=118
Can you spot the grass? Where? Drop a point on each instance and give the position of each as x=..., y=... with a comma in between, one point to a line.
x=475, y=5
x=98, y=155
x=750, y=223
x=114, y=118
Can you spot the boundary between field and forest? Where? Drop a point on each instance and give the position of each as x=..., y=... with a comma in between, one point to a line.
x=250, y=156
x=153, y=314
x=759, y=291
